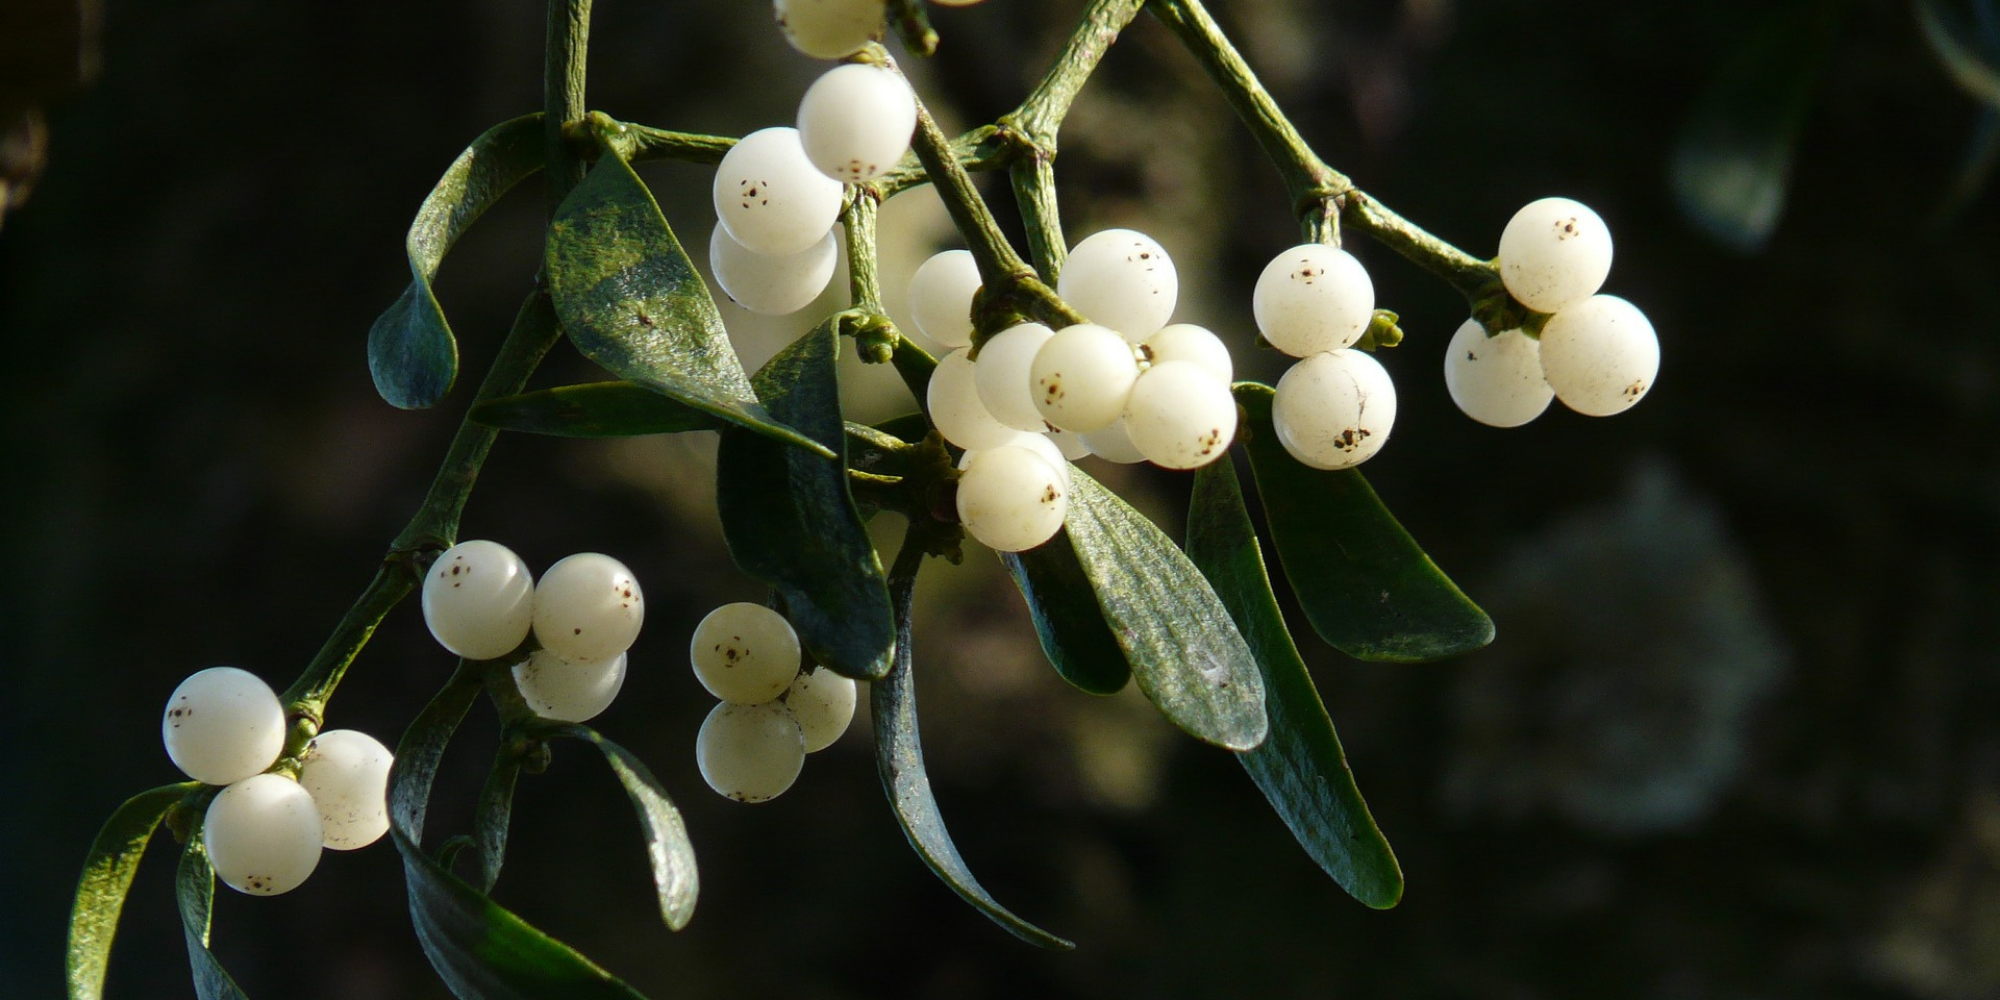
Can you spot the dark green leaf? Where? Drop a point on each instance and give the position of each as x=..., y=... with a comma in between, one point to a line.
x=899, y=759
x=630, y=299
x=1184, y=651
x=668, y=848
x=1300, y=768
x=480, y=949
x=910, y=427
x=492, y=818
x=1972, y=61
x=594, y=410
x=1733, y=162
x=1364, y=584
x=411, y=351
x=1079, y=644
x=195, y=888
x=107, y=877
x=790, y=519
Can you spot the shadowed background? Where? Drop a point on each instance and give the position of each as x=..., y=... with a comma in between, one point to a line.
x=1737, y=736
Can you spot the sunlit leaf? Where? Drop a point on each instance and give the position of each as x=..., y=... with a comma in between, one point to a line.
x=1183, y=649
x=790, y=519
x=107, y=876
x=194, y=887
x=1074, y=635
x=1300, y=767
x=411, y=351
x=594, y=410
x=676, y=882
x=1361, y=579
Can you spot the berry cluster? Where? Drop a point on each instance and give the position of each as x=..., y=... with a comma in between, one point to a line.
x=481, y=603
x=778, y=191
x=836, y=29
x=754, y=743
x=264, y=831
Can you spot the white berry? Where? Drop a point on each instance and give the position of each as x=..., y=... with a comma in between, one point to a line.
x=1081, y=377
x=1180, y=416
x=1188, y=342
x=588, y=607
x=1113, y=443
x=1334, y=410
x=223, y=725
x=1600, y=355
x=941, y=297
x=347, y=773
x=1002, y=375
x=823, y=704
x=745, y=653
x=1313, y=298
x=569, y=690
x=953, y=401
x=1122, y=279
x=263, y=835
x=1554, y=251
x=479, y=599
x=1070, y=443
x=750, y=753
x=829, y=29
x=1011, y=499
x=1040, y=444
x=771, y=198
x=856, y=120
x=1496, y=380
x=771, y=286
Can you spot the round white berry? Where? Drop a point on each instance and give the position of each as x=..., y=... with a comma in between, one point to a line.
x=1334, y=410
x=1496, y=380
x=771, y=286
x=1011, y=499
x=569, y=690
x=750, y=753
x=1313, y=298
x=855, y=121
x=347, y=773
x=1040, y=444
x=1113, y=443
x=1180, y=416
x=829, y=29
x=771, y=198
x=263, y=835
x=223, y=725
x=1002, y=375
x=1070, y=443
x=823, y=704
x=1081, y=377
x=479, y=599
x=1600, y=355
x=744, y=653
x=588, y=607
x=953, y=401
x=941, y=297
x=1121, y=279
x=1553, y=252
x=1188, y=342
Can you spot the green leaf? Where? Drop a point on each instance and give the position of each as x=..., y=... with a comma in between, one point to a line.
x=790, y=519
x=1074, y=635
x=1300, y=768
x=1364, y=584
x=479, y=948
x=107, y=876
x=631, y=301
x=194, y=886
x=492, y=818
x=899, y=759
x=594, y=410
x=1184, y=651
x=411, y=351
x=1972, y=62
x=675, y=879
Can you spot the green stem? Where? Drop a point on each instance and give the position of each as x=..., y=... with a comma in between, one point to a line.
x=1041, y=114
x=564, y=58
x=1034, y=179
x=999, y=265
x=864, y=283
x=639, y=143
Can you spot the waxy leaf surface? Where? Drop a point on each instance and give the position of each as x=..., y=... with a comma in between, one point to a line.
x=107, y=877
x=194, y=888
x=668, y=848
x=594, y=410
x=1071, y=627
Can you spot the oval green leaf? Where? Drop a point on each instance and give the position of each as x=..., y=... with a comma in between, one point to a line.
x=676, y=882
x=1364, y=584
x=411, y=351
x=1301, y=767
x=1183, y=649
x=631, y=301
x=1067, y=620
x=479, y=948
x=899, y=759
x=790, y=519
x=594, y=410
x=194, y=887
x=107, y=877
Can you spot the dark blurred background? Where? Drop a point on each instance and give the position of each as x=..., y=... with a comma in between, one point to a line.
x=1739, y=735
